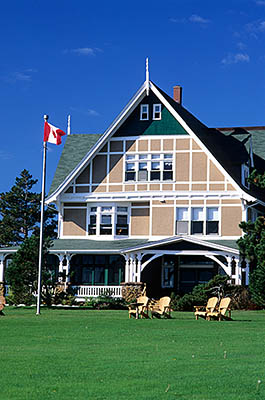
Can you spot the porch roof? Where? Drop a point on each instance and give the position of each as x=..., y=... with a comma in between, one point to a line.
x=88, y=245
x=229, y=246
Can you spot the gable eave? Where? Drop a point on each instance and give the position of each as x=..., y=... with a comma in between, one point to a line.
x=127, y=110
x=244, y=195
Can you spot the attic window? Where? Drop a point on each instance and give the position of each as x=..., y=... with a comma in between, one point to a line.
x=245, y=175
x=144, y=113
x=157, y=111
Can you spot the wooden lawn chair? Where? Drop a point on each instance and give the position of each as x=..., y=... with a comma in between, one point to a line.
x=161, y=308
x=223, y=308
x=2, y=304
x=140, y=308
x=202, y=311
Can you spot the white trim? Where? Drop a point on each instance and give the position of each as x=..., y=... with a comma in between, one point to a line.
x=128, y=109
x=198, y=141
x=154, y=112
x=117, y=123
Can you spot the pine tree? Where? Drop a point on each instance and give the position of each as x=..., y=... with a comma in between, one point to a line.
x=20, y=212
x=22, y=272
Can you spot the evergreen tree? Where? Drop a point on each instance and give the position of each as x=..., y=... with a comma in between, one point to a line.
x=22, y=272
x=20, y=212
x=252, y=247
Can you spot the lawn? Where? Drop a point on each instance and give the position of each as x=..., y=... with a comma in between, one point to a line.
x=102, y=355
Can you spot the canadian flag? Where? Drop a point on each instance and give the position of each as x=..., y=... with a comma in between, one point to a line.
x=52, y=134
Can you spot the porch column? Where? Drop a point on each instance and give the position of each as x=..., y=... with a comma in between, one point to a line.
x=133, y=268
x=60, y=270
x=138, y=267
x=127, y=267
x=247, y=273
x=67, y=268
x=238, y=275
x=2, y=257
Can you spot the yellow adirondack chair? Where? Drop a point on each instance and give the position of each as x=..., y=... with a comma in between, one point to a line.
x=161, y=307
x=223, y=308
x=2, y=304
x=202, y=311
x=140, y=308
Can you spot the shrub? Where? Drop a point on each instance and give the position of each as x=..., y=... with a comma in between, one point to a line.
x=106, y=302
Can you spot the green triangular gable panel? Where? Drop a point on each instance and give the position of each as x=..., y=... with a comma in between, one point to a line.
x=133, y=126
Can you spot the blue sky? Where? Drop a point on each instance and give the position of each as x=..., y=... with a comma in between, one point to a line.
x=87, y=59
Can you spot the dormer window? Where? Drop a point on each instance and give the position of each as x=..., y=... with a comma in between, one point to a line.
x=144, y=112
x=157, y=111
x=245, y=175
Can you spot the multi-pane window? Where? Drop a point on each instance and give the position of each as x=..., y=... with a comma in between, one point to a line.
x=157, y=111
x=108, y=220
x=197, y=221
x=149, y=167
x=144, y=112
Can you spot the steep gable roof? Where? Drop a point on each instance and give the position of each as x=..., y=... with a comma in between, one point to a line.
x=226, y=151
x=75, y=149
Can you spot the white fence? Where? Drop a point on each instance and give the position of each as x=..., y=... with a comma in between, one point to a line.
x=81, y=292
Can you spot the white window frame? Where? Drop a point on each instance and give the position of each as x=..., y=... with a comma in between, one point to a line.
x=155, y=112
x=142, y=112
x=167, y=268
x=149, y=159
x=113, y=211
x=203, y=220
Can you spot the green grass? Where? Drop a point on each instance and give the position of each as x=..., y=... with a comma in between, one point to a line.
x=102, y=355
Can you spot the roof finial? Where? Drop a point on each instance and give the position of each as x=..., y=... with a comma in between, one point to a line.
x=147, y=75
x=69, y=125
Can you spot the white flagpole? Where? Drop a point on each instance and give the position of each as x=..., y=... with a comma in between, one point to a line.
x=41, y=221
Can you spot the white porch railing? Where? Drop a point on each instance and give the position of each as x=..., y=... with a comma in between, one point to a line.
x=83, y=291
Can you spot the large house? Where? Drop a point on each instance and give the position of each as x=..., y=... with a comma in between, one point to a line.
x=157, y=199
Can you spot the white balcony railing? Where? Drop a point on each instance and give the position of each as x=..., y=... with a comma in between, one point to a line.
x=83, y=291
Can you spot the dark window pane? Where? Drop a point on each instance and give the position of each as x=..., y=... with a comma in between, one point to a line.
x=167, y=175
x=187, y=275
x=93, y=219
x=122, y=230
x=130, y=176
x=196, y=227
x=87, y=275
x=168, y=165
x=100, y=260
x=155, y=175
x=204, y=276
x=212, y=227
x=105, y=230
x=121, y=219
x=99, y=275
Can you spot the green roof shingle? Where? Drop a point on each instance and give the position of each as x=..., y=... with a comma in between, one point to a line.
x=75, y=149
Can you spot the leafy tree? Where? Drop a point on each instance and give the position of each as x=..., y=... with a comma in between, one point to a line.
x=252, y=247
x=20, y=212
